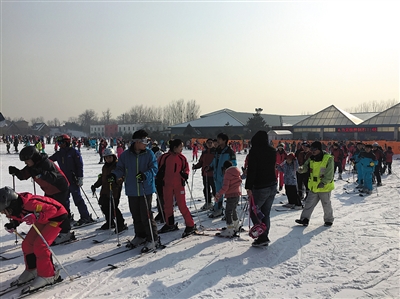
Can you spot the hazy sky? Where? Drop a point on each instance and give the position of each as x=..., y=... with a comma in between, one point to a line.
x=60, y=58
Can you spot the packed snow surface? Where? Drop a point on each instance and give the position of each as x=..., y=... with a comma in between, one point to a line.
x=358, y=257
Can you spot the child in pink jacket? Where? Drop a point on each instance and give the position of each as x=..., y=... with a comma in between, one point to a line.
x=231, y=189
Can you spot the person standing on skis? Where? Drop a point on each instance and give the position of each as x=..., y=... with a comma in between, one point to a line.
x=231, y=190
x=223, y=153
x=138, y=166
x=174, y=171
x=107, y=207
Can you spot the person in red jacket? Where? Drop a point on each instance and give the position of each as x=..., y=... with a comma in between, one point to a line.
x=46, y=214
x=231, y=189
x=174, y=170
x=388, y=160
x=338, y=155
x=206, y=158
x=280, y=158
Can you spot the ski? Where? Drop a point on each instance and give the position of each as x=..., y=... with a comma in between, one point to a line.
x=100, y=257
x=8, y=270
x=98, y=241
x=11, y=249
x=285, y=209
x=48, y=287
x=5, y=258
x=129, y=260
x=84, y=225
x=77, y=239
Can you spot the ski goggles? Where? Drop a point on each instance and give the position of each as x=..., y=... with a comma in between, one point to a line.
x=143, y=140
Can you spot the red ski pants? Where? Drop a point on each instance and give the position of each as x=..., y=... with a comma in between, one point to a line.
x=279, y=175
x=178, y=190
x=34, y=244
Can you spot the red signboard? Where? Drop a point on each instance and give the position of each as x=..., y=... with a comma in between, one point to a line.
x=356, y=129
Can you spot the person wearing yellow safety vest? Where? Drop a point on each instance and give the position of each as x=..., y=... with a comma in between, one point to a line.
x=320, y=183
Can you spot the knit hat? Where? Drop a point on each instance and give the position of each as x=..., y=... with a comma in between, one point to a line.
x=317, y=145
x=291, y=156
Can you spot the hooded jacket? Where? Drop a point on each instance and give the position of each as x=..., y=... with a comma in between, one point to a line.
x=262, y=161
x=231, y=184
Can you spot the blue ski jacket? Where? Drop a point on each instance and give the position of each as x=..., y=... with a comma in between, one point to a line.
x=70, y=162
x=130, y=164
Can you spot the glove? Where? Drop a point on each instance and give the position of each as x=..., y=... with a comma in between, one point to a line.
x=321, y=185
x=111, y=178
x=9, y=227
x=141, y=177
x=93, y=188
x=184, y=175
x=30, y=219
x=12, y=170
x=372, y=164
x=79, y=182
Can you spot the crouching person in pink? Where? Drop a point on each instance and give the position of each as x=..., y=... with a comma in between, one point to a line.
x=46, y=214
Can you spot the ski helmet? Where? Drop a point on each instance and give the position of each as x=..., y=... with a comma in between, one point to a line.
x=29, y=152
x=64, y=138
x=7, y=195
x=108, y=152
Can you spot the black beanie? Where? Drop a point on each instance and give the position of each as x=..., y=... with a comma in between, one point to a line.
x=317, y=145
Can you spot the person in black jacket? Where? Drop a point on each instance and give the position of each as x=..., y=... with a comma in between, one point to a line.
x=261, y=180
x=51, y=180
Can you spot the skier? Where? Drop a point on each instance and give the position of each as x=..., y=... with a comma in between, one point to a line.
x=195, y=150
x=70, y=162
x=47, y=215
x=388, y=160
x=223, y=153
x=302, y=178
x=338, y=155
x=16, y=142
x=51, y=180
x=367, y=161
x=355, y=159
x=280, y=158
x=261, y=181
x=206, y=158
x=320, y=184
x=289, y=168
x=111, y=160
x=378, y=152
x=174, y=170
x=138, y=166
x=231, y=190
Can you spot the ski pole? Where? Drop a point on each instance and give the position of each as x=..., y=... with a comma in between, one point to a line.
x=34, y=187
x=161, y=206
x=148, y=214
x=87, y=198
x=197, y=211
x=13, y=176
x=115, y=215
x=52, y=252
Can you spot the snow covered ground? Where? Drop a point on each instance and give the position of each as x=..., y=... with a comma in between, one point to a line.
x=358, y=257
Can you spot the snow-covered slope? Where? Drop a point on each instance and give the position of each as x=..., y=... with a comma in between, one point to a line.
x=358, y=257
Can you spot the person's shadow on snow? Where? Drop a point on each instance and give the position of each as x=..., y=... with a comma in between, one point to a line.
x=209, y=273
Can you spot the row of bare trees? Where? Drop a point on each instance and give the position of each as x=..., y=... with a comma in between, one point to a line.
x=373, y=106
x=176, y=112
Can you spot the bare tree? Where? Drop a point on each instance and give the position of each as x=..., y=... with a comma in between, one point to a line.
x=35, y=120
x=373, y=106
x=177, y=112
x=53, y=123
x=87, y=118
x=106, y=118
